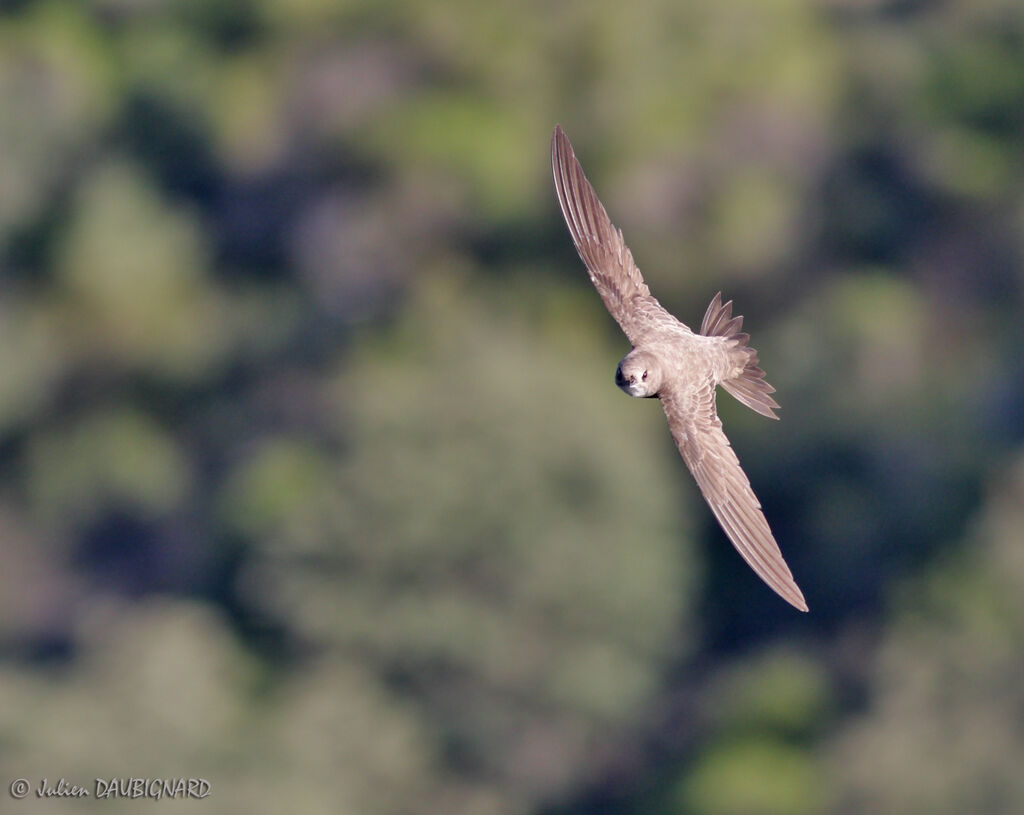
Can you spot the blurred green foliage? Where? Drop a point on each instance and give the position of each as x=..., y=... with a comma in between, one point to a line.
x=313, y=478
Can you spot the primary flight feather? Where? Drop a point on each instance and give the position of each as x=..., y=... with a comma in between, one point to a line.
x=680, y=368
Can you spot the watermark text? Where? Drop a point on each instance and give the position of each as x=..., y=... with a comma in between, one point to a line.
x=155, y=789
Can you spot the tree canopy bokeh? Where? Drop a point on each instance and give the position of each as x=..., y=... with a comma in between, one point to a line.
x=314, y=481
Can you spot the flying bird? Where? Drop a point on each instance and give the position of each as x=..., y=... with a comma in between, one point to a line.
x=679, y=368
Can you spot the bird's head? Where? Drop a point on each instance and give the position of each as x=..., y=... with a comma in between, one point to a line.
x=639, y=374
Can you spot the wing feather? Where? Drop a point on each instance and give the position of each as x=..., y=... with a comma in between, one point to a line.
x=600, y=245
x=698, y=434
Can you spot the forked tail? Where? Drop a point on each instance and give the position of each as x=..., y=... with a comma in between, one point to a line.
x=749, y=386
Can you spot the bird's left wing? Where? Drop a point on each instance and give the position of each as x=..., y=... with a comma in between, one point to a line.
x=601, y=247
x=698, y=434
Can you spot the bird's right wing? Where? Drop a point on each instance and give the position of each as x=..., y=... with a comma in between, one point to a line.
x=698, y=434
x=601, y=247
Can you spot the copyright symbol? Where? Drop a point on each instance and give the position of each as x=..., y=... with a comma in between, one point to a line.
x=19, y=788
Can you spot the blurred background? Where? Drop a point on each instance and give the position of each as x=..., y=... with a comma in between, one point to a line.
x=314, y=481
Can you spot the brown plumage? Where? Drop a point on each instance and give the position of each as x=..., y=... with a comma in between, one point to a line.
x=680, y=368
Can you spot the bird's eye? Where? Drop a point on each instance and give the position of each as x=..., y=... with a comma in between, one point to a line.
x=644, y=377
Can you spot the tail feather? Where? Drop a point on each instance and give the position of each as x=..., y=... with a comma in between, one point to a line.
x=749, y=387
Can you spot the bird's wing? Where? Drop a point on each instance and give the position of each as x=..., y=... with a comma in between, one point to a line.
x=698, y=434
x=601, y=247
